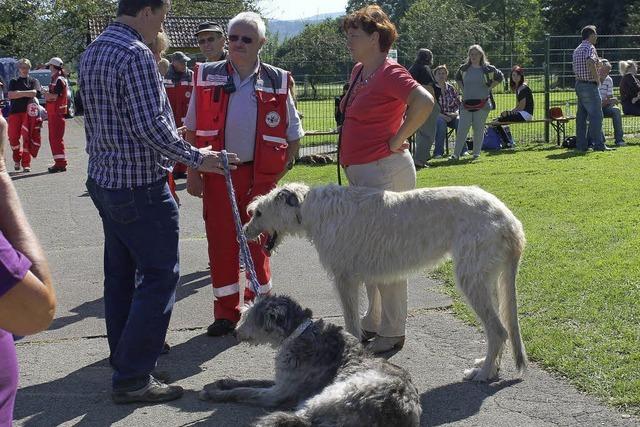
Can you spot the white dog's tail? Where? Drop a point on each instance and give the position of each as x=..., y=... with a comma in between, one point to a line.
x=509, y=304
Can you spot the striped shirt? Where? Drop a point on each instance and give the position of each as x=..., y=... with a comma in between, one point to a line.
x=130, y=131
x=606, y=88
x=581, y=56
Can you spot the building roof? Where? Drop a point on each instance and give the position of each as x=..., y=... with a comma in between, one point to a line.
x=179, y=29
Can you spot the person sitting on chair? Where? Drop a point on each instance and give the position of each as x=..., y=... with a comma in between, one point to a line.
x=629, y=88
x=523, y=111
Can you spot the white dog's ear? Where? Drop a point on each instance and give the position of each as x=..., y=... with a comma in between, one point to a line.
x=289, y=197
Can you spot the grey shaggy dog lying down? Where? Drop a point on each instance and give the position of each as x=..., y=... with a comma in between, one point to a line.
x=322, y=373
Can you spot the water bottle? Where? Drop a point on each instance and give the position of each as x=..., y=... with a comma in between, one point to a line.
x=567, y=109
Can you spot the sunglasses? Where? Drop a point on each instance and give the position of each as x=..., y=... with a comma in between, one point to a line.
x=207, y=40
x=244, y=39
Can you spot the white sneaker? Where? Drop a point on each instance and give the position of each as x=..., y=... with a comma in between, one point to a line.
x=16, y=166
x=27, y=169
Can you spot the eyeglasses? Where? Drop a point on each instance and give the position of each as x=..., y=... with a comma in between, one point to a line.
x=207, y=40
x=244, y=39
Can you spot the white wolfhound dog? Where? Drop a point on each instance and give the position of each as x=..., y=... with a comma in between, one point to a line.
x=369, y=235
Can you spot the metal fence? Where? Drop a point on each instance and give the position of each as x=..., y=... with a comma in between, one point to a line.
x=548, y=69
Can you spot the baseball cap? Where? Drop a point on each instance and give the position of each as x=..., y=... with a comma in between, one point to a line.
x=180, y=57
x=208, y=26
x=55, y=61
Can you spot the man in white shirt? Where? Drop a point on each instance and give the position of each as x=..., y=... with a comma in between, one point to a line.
x=609, y=102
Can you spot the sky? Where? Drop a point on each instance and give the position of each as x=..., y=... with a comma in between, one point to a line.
x=299, y=9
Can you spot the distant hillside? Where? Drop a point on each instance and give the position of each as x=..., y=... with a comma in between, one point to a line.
x=287, y=29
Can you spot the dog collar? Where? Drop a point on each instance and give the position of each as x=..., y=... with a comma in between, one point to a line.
x=299, y=330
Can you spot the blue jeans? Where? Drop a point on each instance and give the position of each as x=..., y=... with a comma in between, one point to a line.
x=141, y=272
x=441, y=134
x=616, y=118
x=589, y=106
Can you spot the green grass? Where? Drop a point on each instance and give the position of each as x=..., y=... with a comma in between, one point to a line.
x=319, y=116
x=579, y=282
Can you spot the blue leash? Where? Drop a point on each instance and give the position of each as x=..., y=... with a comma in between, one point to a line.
x=242, y=239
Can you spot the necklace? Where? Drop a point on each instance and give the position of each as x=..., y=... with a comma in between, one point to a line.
x=369, y=77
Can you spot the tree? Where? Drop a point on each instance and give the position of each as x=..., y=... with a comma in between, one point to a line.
x=447, y=27
x=40, y=29
x=569, y=17
x=394, y=8
x=319, y=50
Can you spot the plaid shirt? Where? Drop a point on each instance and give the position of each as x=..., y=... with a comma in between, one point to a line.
x=580, y=60
x=449, y=100
x=129, y=126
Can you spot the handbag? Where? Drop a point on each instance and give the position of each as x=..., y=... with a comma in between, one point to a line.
x=474, y=104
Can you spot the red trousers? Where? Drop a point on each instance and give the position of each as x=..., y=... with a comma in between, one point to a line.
x=223, y=241
x=22, y=125
x=180, y=168
x=56, y=136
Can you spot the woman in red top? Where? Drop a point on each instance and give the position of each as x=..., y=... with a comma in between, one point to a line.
x=383, y=108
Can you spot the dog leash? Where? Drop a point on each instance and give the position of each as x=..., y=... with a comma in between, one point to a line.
x=242, y=239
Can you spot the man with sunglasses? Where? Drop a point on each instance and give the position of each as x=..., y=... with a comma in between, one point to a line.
x=211, y=41
x=244, y=106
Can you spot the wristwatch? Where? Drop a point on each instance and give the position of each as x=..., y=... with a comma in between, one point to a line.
x=290, y=164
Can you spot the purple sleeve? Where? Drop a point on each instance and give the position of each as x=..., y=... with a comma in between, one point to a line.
x=13, y=266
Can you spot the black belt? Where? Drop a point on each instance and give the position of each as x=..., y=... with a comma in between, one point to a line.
x=588, y=81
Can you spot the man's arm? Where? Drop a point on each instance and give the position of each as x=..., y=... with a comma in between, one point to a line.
x=154, y=126
x=17, y=94
x=294, y=134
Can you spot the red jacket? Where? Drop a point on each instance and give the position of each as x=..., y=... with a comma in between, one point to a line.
x=272, y=89
x=179, y=89
x=59, y=106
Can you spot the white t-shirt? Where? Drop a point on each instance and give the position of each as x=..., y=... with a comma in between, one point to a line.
x=606, y=88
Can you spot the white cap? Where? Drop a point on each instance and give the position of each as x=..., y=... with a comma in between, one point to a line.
x=55, y=61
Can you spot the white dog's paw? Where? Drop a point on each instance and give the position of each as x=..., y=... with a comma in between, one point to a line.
x=479, y=375
x=478, y=363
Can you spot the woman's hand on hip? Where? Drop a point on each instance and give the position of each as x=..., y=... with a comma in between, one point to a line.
x=398, y=145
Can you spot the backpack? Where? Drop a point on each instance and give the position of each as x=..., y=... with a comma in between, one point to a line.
x=569, y=142
x=492, y=140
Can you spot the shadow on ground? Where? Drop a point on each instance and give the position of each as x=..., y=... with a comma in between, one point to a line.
x=457, y=401
x=188, y=285
x=83, y=396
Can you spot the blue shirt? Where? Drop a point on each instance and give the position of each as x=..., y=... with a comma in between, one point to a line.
x=131, y=135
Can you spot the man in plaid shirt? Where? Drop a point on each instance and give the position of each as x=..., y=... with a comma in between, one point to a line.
x=132, y=144
x=585, y=63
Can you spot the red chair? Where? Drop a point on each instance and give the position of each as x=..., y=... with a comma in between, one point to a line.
x=558, y=122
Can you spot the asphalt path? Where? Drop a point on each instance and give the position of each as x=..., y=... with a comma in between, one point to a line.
x=65, y=375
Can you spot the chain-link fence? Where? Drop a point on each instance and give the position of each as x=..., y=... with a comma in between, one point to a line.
x=548, y=72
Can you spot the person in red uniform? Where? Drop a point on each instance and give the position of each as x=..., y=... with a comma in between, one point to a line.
x=244, y=106
x=57, y=99
x=24, y=117
x=211, y=41
x=178, y=83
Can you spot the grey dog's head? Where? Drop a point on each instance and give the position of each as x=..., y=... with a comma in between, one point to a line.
x=277, y=213
x=270, y=319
